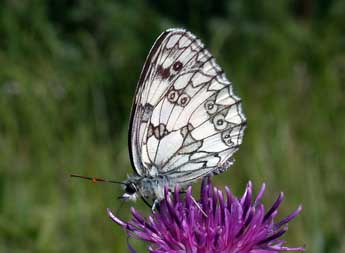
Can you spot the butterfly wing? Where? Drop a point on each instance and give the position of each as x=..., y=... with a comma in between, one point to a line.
x=186, y=121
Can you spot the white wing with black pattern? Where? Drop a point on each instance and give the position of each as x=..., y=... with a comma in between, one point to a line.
x=186, y=122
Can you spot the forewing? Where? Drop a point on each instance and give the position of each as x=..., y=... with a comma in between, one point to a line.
x=186, y=121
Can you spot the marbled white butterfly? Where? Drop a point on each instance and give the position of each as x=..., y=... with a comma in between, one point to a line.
x=186, y=123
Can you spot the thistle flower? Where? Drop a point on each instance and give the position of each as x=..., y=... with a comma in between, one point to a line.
x=213, y=224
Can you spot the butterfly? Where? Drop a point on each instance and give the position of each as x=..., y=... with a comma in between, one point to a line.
x=186, y=123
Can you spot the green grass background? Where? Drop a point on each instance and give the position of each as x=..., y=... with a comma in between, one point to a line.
x=68, y=71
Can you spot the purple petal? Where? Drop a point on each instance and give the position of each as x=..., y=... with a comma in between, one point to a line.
x=274, y=236
x=288, y=218
x=115, y=219
x=260, y=195
x=247, y=198
x=275, y=205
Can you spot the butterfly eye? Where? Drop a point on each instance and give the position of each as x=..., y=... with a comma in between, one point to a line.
x=130, y=188
x=210, y=107
x=177, y=66
x=173, y=96
x=183, y=100
x=219, y=122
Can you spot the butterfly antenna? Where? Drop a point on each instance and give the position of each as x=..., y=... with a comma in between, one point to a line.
x=95, y=179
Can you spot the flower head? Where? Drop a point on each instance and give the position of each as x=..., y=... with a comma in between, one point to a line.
x=213, y=224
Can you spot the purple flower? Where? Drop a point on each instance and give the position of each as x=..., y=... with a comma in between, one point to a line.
x=213, y=224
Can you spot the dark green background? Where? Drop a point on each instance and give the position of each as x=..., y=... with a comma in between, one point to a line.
x=68, y=70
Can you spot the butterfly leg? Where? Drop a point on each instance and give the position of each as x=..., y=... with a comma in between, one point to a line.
x=155, y=205
x=197, y=204
x=146, y=202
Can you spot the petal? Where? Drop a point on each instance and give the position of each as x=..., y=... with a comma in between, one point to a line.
x=288, y=218
x=115, y=219
x=275, y=206
x=260, y=195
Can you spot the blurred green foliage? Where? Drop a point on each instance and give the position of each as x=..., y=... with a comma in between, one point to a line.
x=68, y=70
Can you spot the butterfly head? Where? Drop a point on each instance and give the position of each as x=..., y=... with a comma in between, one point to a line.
x=131, y=191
